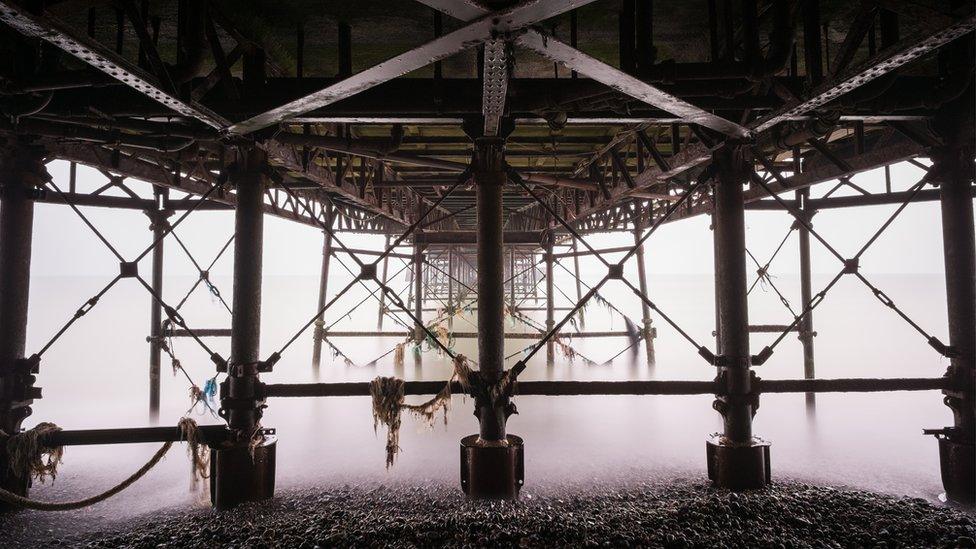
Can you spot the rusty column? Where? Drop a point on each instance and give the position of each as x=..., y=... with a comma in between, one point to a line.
x=323, y=292
x=418, y=293
x=450, y=287
x=806, y=292
x=384, y=276
x=511, y=275
x=649, y=331
x=240, y=473
x=21, y=170
x=579, y=284
x=491, y=461
x=158, y=223
x=953, y=171
x=550, y=301
x=736, y=459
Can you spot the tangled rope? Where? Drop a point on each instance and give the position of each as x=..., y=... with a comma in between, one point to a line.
x=198, y=451
x=387, y=394
x=29, y=456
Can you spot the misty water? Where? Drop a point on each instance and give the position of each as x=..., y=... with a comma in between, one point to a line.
x=97, y=375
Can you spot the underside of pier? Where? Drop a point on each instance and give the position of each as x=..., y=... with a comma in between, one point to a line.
x=488, y=139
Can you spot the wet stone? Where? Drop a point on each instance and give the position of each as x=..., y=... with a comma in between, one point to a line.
x=685, y=514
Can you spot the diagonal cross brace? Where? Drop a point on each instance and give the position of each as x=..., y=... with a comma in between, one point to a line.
x=571, y=58
x=494, y=24
x=850, y=267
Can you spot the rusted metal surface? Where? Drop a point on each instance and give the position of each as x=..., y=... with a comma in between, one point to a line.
x=99, y=57
x=503, y=22
x=649, y=387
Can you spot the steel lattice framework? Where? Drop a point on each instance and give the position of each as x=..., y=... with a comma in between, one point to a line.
x=485, y=150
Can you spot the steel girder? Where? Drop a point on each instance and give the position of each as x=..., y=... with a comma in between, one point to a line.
x=498, y=24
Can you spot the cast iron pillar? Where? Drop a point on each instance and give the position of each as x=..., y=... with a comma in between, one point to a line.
x=736, y=459
x=806, y=292
x=240, y=472
x=418, y=294
x=21, y=171
x=158, y=224
x=450, y=287
x=323, y=293
x=511, y=275
x=491, y=461
x=953, y=171
x=384, y=276
x=550, y=302
x=649, y=332
x=579, y=284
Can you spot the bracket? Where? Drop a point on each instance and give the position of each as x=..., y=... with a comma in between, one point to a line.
x=367, y=271
x=128, y=269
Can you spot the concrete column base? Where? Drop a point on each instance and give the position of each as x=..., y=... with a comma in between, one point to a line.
x=738, y=467
x=958, y=463
x=492, y=470
x=236, y=477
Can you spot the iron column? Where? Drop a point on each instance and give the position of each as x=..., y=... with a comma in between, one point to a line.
x=450, y=286
x=649, y=331
x=511, y=274
x=550, y=302
x=491, y=461
x=736, y=459
x=323, y=292
x=21, y=169
x=418, y=293
x=158, y=223
x=579, y=283
x=386, y=266
x=242, y=472
x=806, y=292
x=489, y=175
x=953, y=170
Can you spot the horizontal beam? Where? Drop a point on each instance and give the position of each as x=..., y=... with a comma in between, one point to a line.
x=581, y=253
x=470, y=237
x=97, y=201
x=474, y=335
x=129, y=166
x=210, y=434
x=201, y=332
x=652, y=387
x=927, y=195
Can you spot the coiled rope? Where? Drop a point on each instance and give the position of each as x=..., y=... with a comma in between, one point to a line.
x=28, y=456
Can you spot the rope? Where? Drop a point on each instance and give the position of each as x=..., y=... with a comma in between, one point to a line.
x=387, y=394
x=28, y=456
x=29, y=451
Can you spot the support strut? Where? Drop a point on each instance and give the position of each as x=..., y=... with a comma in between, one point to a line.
x=491, y=461
x=806, y=292
x=953, y=170
x=649, y=330
x=736, y=459
x=158, y=223
x=550, y=302
x=323, y=293
x=21, y=169
x=238, y=472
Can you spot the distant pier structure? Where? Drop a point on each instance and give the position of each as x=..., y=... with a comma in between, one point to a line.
x=487, y=138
